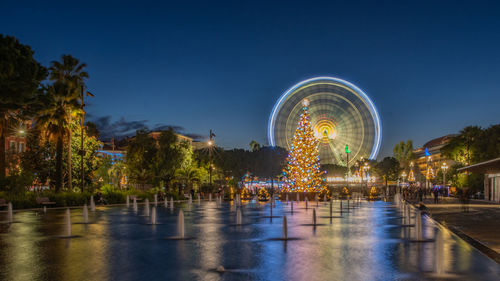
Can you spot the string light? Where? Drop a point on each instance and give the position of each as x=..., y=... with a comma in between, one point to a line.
x=302, y=173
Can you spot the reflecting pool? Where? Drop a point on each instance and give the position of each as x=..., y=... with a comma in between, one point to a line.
x=373, y=241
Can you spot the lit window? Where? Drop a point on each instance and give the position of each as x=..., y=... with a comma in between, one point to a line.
x=12, y=145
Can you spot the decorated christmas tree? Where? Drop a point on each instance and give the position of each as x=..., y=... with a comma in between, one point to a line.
x=302, y=173
x=411, y=176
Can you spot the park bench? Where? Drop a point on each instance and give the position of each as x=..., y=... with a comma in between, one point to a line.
x=44, y=201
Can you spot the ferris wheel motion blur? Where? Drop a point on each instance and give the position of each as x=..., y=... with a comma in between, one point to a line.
x=341, y=115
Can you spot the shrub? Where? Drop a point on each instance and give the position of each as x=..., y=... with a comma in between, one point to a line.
x=114, y=197
x=27, y=199
x=106, y=188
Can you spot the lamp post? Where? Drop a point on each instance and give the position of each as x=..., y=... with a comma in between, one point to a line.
x=210, y=146
x=347, y=151
x=403, y=175
x=444, y=167
x=366, y=168
x=427, y=172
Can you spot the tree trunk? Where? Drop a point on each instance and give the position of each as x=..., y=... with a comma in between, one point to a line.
x=2, y=147
x=70, y=169
x=59, y=162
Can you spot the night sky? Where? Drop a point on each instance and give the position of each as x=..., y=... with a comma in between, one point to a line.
x=430, y=68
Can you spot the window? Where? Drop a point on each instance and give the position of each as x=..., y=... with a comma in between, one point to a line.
x=21, y=147
x=12, y=145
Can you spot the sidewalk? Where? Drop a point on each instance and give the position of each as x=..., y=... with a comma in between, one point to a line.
x=481, y=222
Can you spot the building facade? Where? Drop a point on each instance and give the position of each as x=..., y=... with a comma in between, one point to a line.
x=15, y=144
x=429, y=158
x=491, y=171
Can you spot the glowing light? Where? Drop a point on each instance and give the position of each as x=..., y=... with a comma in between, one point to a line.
x=359, y=92
x=325, y=130
x=302, y=172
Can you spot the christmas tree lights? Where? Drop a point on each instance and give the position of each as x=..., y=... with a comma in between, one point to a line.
x=411, y=176
x=302, y=173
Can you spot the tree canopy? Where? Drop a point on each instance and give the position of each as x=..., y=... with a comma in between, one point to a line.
x=474, y=144
x=388, y=168
x=20, y=78
x=403, y=152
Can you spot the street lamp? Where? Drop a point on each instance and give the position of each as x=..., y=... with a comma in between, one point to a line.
x=366, y=168
x=427, y=172
x=210, y=145
x=444, y=167
x=403, y=175
x=347, y=151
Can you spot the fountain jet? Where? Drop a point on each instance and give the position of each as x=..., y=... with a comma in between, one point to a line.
x=92, y=203
x=68, y=223
x=146, y=207
x=181, y=224
x=153, y=215
x=134, y=205
x=85, y=214
x=10, y=216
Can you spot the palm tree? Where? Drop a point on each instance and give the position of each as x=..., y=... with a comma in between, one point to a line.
x=69, y=72
x=187, y=176
x=254, y=146
x=54, y=121
x=116, y=172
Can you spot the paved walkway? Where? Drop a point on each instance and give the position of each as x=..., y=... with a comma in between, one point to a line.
x=481, y=222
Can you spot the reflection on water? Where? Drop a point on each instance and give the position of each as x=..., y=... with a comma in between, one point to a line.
x=371, y=242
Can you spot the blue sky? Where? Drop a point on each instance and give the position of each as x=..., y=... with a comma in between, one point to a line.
x=431, y=68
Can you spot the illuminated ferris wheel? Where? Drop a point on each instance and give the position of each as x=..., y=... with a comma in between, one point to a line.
x=341, y=114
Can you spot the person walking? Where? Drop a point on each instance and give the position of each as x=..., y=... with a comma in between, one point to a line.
x=436, y=196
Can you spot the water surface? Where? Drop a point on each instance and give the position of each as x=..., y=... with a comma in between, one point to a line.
x=366, y=243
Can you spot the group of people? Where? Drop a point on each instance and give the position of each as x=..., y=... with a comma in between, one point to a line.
x=416, y=192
